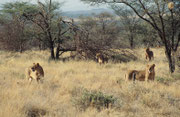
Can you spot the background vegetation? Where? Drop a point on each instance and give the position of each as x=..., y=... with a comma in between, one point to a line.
x=137, y=23
x=74, y=84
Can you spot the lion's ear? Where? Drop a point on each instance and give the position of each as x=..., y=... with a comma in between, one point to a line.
x=154, y=65
x=37, y=64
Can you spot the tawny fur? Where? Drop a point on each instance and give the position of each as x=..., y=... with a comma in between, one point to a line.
x=130, y=75
x=34, y=72
x=101, y=59
x=142, y=75
x=149, y=54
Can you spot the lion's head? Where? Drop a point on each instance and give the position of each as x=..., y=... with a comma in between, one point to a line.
x=98, y=55
x=35, y=67
x=35, y=72
x=150, y=68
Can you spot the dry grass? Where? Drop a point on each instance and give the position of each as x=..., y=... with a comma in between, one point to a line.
x=65, y=81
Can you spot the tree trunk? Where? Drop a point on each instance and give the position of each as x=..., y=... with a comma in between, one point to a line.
x=57, y=52
x=52, y=54
x=40, y=45
x=131, y=40
x=52, y=50
x=21, y=49
x=171, y=59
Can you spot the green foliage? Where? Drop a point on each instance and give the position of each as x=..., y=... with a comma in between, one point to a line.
x=18, y=8
x=159, y=79
x=94, y=99
x=165, y=81
x=147, y=36
x=12, y=10
x=123, y=58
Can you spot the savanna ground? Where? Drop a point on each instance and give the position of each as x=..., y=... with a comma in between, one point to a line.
x=85, y=88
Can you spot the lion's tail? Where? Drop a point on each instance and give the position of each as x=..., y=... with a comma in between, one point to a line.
x=134, y=76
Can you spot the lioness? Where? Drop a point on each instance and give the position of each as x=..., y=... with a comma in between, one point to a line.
x=34, y=72
x=143, y=75
x=100, y=58
x=149, y=54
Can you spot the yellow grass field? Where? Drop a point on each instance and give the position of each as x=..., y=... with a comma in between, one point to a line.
x=61, y=94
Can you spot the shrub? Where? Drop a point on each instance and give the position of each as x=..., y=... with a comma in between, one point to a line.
x=94, y=99
x=159, y=79
x=165, y=81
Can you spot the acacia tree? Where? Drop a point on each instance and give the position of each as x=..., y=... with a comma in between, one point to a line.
x=48, y=23
x=106, y=29
x=129, y=22
x=42, y=19
x=160, y=17
x=101, y=32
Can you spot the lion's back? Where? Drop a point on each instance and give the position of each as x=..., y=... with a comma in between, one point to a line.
x=140, y=75
x=151, y=54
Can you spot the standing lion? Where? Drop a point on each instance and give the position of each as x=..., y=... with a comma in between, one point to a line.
x=34, y=72
x=101, y=59
x=149, y=54
x=142, y=75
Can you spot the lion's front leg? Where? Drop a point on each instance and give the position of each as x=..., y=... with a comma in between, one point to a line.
x=146, y=76
x=149, y=58
x=30, y=79
x=38, y=80
x=146, y=56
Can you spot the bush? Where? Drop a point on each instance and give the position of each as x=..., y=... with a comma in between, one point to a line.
x=94, y=99
x=165, y=81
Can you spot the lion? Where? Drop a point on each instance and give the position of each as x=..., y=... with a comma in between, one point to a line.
x=149, y=54
x=142, y=75
x=34, y=72
x=101, y=59
x=130, y=75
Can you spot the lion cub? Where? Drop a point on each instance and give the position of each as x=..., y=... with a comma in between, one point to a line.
x=101, y=59
x=149, y=54
x=143, y=75
x=34, y=72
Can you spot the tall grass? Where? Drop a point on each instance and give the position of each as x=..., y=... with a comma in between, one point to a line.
x=64, y=83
